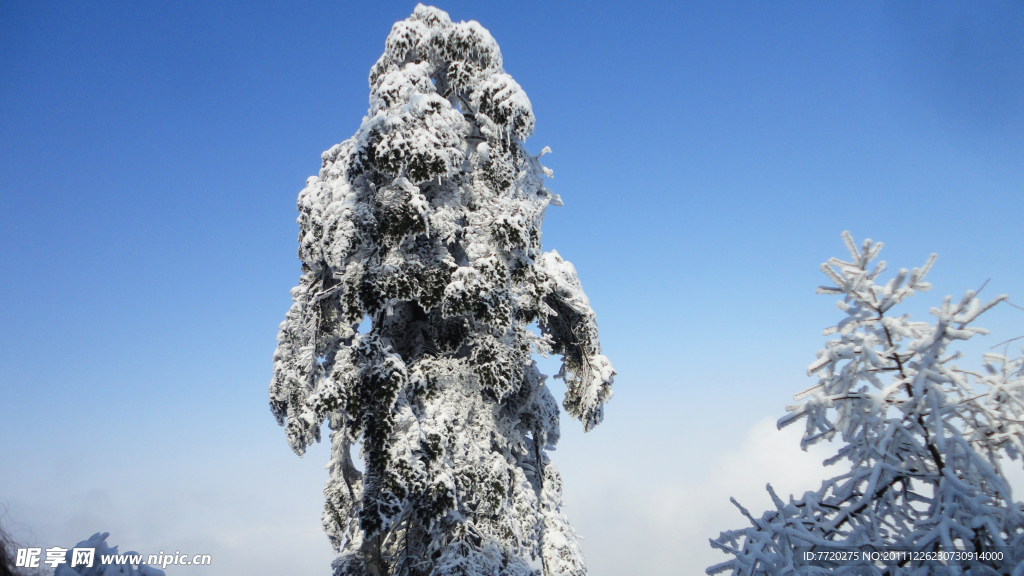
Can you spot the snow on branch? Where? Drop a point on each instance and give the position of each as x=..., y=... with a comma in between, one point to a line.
x=924, y=438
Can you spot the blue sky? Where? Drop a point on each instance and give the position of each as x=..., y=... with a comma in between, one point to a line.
x=709, y=156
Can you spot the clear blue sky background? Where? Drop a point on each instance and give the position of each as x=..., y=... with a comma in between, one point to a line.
x=709, y=155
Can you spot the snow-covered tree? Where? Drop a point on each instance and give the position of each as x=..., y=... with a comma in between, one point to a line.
x=410, y=333
x=101, y=549
x=923, y=438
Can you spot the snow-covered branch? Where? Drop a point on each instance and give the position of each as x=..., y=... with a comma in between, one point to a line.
x=924, y=439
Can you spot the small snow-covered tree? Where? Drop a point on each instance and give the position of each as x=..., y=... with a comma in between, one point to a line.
x=427, y=223
x=923, y=438
x=102, y=549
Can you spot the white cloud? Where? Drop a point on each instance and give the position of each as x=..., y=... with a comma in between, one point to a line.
x=643, y=508
x=651, y=525
x=659, y=523
x=253, y=516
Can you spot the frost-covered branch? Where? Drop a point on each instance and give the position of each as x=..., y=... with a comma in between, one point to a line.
x=923, y=438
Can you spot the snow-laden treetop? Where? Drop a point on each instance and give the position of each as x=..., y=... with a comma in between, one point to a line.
x=435, y=202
